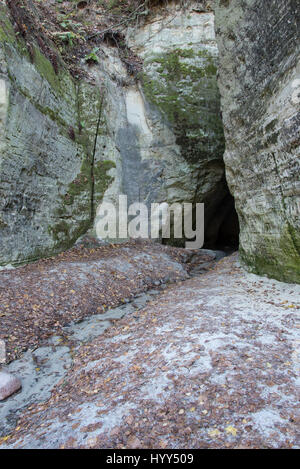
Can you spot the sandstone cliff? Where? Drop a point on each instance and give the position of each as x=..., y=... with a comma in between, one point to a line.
x=157, y=135
x=67, y=144
x=259, y=46
x=48, y=127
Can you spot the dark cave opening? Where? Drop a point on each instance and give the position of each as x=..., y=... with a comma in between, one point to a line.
x=222, y=227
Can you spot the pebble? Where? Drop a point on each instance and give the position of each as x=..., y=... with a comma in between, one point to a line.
x=9, y=384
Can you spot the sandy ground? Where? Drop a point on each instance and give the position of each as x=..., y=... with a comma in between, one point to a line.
x=39, y=299
x=211, y=362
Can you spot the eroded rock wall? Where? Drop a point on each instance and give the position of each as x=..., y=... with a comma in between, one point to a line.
x=66, y=145
x=48, y=129
x=166, y=133
x=259, y=46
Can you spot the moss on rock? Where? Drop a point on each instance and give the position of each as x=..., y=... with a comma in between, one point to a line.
x=102, y=179
x=52, y=154
x=277, y=259
x=182, y=84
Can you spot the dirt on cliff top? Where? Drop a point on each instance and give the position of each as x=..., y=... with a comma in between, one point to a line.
x=74, y=30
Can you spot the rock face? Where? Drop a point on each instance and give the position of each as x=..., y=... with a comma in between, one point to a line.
x=179, y=82
x=166, y=133
x=259, y=84
x=67, y=145
x=49, y=153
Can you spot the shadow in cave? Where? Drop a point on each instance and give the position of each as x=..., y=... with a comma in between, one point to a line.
x=222, y=229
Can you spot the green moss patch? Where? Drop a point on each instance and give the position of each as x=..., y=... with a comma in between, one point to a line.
x=279, y=260
x=182, y=84
x=102, y=179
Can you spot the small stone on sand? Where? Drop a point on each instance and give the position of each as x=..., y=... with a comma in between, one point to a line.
x=9, y=384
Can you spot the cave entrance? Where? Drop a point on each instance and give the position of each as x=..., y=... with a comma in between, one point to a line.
x=222, y=227
x=221, y=230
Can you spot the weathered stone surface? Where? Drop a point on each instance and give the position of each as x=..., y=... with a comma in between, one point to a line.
x=48, y=127
x=67, y=145
x=165, y=131
x=9, y=384
x=259, y=76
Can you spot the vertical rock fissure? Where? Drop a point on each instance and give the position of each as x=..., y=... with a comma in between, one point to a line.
x=93, y=162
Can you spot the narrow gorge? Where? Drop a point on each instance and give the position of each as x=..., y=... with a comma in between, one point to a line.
x=139, y=131
x=150, y=127
x=165, y=102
